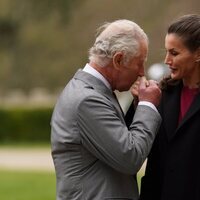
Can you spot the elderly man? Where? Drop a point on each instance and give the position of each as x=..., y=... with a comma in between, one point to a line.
x=95, y=155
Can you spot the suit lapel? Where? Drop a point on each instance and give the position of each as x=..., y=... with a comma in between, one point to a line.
x=100, y=87
x=171, y=109
x=195, y=106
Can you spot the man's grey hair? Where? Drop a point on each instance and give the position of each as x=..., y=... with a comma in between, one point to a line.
x=119, y=36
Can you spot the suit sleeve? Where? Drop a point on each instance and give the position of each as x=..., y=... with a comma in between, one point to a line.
x=108, y=138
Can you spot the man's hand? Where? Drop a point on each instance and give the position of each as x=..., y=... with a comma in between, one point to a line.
x=148, y=91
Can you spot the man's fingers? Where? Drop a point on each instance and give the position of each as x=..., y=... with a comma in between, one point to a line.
x=153, y=82
x=144, y=82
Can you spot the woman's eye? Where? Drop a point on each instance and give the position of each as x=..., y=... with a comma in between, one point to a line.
x=174, y=53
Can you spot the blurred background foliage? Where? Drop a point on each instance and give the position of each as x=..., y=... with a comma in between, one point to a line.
x=43, y=42
x=33, y=43
x=22, y=125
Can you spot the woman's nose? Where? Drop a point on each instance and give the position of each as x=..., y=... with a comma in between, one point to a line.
x=167, y=60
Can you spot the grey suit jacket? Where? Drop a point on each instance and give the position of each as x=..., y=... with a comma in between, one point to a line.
x=96, y=156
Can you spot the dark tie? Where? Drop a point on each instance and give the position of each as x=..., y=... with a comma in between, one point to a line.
x=118, y=103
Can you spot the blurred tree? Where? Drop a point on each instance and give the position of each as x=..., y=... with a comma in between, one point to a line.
x=8, y=33
x=31, y=33
x=43, y=42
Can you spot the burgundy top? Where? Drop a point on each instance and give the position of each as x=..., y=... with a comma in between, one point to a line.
x=187, y=96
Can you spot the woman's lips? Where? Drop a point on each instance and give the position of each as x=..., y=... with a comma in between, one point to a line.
x=173, y=69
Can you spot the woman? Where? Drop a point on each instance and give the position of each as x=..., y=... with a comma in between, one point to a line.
x=173, y=167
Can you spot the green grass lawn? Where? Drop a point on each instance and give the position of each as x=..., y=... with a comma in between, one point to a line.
x=29, y=185
x=20, y=185
x=26, y=185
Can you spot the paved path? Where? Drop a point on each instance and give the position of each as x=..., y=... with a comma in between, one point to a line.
x=26, y=159
x=29, y=159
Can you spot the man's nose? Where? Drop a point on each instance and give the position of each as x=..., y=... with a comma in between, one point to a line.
x=141, y=72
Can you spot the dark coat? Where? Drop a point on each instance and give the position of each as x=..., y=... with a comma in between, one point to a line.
x=173, y=167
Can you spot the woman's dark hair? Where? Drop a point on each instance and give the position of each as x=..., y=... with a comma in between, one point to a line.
x=187, y=28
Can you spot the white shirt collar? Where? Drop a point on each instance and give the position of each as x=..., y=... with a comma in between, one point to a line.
x=96, y=74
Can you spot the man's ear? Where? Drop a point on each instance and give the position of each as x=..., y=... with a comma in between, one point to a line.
x=118, y=60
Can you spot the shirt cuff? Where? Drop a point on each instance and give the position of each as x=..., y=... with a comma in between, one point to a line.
x=147, y=103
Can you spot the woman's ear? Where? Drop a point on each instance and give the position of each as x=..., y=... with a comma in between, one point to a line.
x=198, y=55
x=118, y=60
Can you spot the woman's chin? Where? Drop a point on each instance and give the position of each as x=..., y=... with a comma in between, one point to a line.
x=173, y=76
